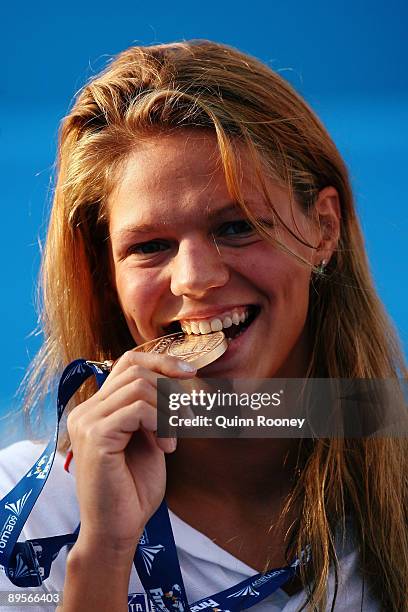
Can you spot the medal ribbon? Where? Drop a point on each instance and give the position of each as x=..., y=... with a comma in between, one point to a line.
x=28, y=564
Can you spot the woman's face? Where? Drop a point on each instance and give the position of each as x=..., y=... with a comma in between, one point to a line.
x=182, y=251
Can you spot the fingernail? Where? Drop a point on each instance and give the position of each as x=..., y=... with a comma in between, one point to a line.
x=186, y=367
x=173, y=443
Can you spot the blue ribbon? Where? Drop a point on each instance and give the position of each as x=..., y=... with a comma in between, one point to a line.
x=28, y=564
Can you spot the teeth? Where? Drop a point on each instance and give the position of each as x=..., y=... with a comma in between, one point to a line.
x=204, y=327
x=214, y=325
x=235, y=318
x=186, y=327
x=194, y=327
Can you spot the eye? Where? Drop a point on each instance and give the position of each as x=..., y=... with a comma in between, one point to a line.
x=147, y=248
x=236, y=228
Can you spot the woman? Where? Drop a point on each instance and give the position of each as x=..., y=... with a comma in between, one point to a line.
x=194, y=186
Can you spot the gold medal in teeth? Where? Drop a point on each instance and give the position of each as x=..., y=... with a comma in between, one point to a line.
x=200, y=350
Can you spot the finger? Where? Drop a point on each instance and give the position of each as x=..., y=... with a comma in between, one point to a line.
x=99, y=406
x=162, y=364
x=136, y=416
x=139, y=388
x=167, y=445
x=112, y=433
x=136, y=390
x=119, y=378
x=129, y=419
x=131, y=374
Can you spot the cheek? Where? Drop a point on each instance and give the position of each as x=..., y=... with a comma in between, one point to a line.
x=138, y=292
x=284, y=283
x=295, y=288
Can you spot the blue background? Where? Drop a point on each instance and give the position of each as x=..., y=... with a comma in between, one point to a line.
x=348, y=59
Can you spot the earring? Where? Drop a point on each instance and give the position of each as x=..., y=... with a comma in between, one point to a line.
x=319, y=270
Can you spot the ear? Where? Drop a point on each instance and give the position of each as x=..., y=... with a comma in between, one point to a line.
x=327, y=214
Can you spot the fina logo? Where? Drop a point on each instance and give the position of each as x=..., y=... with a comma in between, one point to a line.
x=148, y=554
x=21, y=570
x=248, y=590
x=17, y=507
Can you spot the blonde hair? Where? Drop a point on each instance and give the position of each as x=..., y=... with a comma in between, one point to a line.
x=204, y=85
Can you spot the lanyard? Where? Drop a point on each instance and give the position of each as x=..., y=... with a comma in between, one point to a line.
x=28, y=564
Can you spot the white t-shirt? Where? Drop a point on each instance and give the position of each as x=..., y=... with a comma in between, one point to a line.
x=206, y=568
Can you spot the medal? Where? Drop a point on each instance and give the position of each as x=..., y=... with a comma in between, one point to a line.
x=199, y=350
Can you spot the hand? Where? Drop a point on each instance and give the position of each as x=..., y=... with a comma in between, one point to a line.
x=120, y=466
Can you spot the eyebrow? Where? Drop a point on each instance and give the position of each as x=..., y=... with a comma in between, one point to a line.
x=149, y=228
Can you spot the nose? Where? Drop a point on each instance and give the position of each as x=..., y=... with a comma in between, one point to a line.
x=197, y=268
